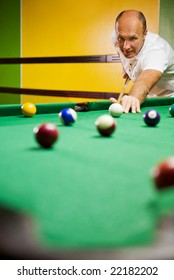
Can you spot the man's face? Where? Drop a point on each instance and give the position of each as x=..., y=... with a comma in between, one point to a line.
x=130, y=35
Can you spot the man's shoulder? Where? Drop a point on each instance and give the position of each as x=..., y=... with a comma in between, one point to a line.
x=152, y=37
x=154, y=42
x=155, y=39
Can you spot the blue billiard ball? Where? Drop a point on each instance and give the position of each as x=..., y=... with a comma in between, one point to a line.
x=67, y=116
x=171, y=110
x=151, y=117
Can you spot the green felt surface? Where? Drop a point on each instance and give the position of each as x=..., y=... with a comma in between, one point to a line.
x=87, y=191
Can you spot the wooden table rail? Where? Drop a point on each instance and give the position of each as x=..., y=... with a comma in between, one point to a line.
x=112, y=58
x=59, y=93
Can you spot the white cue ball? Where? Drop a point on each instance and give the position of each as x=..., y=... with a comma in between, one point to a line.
x=115, y=110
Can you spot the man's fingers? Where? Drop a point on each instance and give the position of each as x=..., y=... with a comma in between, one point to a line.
x=113, y=100
x=130, y=103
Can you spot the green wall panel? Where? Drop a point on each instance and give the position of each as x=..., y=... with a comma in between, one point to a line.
x=9, y=47
x=167, y=20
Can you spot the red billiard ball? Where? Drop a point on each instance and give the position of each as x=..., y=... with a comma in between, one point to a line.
x=105, y=125
x=163, y=173
x=46, y=134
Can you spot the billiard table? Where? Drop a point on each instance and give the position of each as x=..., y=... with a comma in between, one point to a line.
x=88, y=196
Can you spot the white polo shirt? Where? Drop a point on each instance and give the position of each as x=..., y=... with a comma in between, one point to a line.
x=156, y=54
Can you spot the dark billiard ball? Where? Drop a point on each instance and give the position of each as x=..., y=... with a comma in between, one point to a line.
x=151, y=117
x=105, y=125
x=46, y=134
x=163, y=173
x=171, y=110
x=28, y=109
x=68, y=116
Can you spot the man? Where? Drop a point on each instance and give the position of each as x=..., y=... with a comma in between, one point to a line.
x=147, y=59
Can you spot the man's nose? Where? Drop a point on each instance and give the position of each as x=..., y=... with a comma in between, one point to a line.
x=126, y=45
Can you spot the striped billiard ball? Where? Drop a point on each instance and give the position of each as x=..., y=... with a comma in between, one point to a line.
x=151, y=117
x=105, y=125
x=68, y=116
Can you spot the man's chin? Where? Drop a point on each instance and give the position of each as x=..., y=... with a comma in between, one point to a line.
x=129, y=55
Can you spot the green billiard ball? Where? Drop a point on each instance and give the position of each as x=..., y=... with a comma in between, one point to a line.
x=171, y=110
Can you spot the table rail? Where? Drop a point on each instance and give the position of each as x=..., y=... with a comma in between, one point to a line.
x=58, y=93
x=108, y=58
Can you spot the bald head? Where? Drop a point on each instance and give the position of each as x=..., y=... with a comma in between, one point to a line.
x=130, y=29
x=132, y=14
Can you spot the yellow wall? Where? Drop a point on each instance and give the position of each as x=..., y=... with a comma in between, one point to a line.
x=73, y=27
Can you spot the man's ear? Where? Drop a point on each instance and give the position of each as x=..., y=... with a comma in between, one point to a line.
x=145, y=32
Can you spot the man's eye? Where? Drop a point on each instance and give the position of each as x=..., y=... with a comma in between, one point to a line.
x=133, y=39
x=120, y=39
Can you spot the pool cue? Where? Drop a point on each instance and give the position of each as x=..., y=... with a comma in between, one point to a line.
x=123, y=89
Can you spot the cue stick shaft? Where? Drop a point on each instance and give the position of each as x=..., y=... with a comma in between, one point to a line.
x=123, y=89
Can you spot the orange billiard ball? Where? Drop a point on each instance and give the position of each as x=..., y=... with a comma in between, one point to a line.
x=28, y=109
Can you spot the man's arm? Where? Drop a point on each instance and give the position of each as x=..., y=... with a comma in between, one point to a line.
x=138, y=92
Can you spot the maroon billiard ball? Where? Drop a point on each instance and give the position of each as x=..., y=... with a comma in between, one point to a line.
x=163, y=173
x=105, y=125
x=46, y=134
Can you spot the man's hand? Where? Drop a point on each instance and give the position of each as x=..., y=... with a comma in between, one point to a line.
x=129, y=103
x=139, y=91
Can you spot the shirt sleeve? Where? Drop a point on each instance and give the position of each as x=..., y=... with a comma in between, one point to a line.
x=155, y=59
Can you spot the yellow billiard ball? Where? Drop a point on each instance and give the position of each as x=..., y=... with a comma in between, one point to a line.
x=28, y=109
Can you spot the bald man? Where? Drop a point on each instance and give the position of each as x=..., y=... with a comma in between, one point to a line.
x=147, y=59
